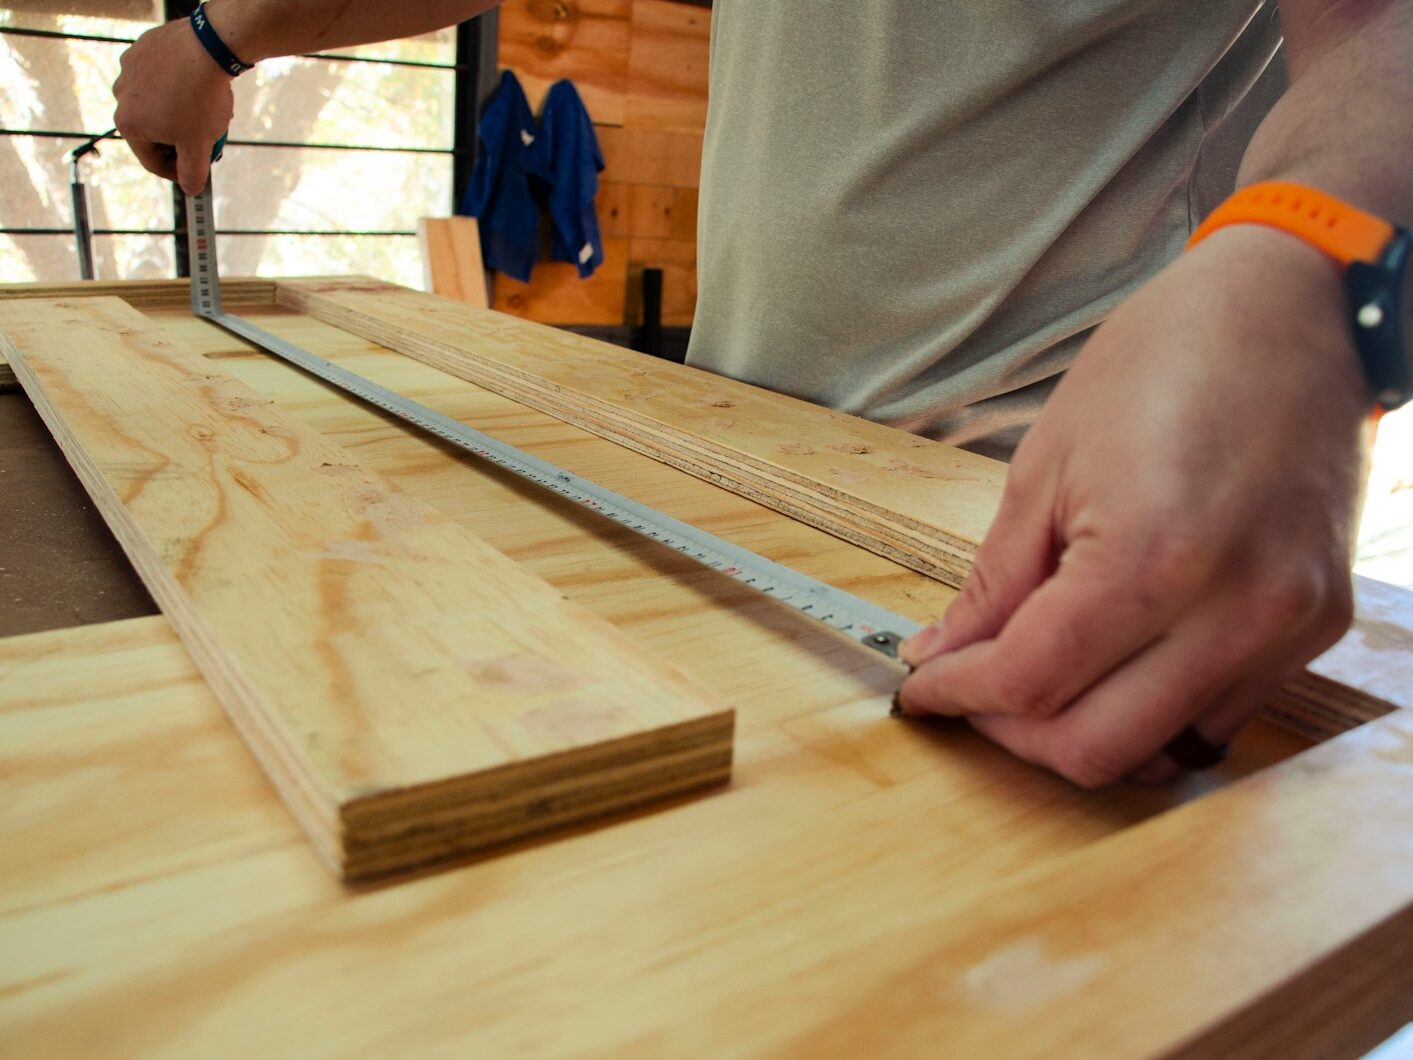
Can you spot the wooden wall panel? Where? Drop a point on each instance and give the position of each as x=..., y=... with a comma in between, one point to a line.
x=615, y=208
x=652, y=211
x=678, y=262
x=684, y=214
x=667, y=66
x=652, y=156
x=641, y=66
x=556, y=295
x=584, y=41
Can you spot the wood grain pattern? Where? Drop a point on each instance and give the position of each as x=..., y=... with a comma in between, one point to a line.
x=556, y=294
x=857, y=872
x=667, y=66
x=584, y=41
x=921, y=503
x=411, y=691
x=1128, y=948
x=651, y=156
x=451, y=258
x=614, y=206
x=651, y=210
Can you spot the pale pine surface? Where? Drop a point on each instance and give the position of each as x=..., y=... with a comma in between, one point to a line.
x=410, y=690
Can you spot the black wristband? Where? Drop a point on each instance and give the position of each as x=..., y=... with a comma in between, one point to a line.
x=214, y=45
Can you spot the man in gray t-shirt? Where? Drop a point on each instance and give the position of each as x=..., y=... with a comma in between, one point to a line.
x=917, y=212
x=921, y=211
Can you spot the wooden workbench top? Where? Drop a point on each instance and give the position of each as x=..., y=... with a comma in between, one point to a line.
x=864, y=885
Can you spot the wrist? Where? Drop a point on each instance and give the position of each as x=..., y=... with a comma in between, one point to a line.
x=1302, y=293
x=249, y=28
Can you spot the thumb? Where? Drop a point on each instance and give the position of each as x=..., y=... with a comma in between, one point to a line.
x=1017, y=555
x=192, y=168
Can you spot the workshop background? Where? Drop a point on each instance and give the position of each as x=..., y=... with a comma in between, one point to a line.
x=348, y=150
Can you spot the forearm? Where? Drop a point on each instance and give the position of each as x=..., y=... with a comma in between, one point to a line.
x=261, y=29
x=1344, y=125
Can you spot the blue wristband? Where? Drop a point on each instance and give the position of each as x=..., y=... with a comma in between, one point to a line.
x=212, y=42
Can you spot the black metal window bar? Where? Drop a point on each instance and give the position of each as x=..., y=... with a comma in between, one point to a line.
x=473, y=71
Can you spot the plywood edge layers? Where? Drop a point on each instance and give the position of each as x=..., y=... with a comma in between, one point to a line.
x=668, y=739
x=146, y=294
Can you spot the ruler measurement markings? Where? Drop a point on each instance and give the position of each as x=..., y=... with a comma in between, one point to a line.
x=866, y=622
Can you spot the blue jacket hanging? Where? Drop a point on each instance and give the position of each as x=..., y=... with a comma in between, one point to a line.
x=567, y=158
x=499, y=194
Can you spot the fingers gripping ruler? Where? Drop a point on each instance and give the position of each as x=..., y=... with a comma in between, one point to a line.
x=871, y=625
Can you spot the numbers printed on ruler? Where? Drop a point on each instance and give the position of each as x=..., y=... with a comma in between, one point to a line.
x=866, y=622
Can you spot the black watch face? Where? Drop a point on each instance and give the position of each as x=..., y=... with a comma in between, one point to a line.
x=1402, y=262
x=1381, y=295
x=1405, y=307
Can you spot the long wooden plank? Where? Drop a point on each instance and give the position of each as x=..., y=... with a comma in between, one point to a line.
x=410, y=690
x=918, y=502
x=1272, y=918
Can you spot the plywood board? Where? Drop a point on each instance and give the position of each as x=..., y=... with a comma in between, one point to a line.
x=411, y=691
x=849, y=873
x=584, y=41
x=1152, y=941
x=678, y=262
x=866, y=877
x=451, y=258
x=668, y=66
x=651, y=156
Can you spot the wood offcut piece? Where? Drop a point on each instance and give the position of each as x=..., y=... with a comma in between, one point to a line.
x=410, y=691
x=451, y=258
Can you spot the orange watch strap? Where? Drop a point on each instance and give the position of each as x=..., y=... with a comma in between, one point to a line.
x=1343, y=232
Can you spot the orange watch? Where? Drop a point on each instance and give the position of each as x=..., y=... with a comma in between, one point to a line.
x=1375, y=255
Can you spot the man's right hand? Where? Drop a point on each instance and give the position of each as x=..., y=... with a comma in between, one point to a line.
x=173, y=97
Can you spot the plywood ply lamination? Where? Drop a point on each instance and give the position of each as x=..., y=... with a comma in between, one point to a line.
x=411, y=691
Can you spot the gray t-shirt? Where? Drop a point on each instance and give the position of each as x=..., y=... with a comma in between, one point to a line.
x=916, y=210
